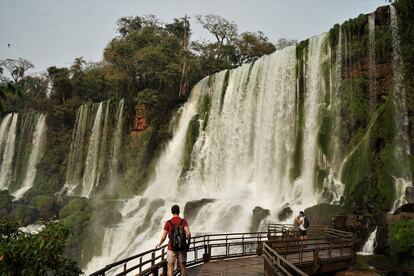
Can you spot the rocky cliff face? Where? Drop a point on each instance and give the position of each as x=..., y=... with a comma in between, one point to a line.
x=140, y=121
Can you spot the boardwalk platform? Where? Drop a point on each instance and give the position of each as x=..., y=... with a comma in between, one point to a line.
x=249, y=266
x=275, y=252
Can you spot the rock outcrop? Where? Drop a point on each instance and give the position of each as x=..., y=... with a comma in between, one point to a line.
x=140, y=121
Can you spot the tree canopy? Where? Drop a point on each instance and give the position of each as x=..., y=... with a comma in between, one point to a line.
x=42, y=253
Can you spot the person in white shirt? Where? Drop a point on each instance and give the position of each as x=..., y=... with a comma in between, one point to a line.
x=300, y=220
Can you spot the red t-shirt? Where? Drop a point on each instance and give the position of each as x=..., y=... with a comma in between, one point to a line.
x=176, y=221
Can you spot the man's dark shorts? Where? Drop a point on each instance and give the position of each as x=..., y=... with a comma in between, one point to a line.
x=302, y=232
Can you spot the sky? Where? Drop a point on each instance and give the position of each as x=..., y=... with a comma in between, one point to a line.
x=54, y=33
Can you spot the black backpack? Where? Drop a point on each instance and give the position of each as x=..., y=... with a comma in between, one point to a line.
x=178, y=239
x=305, y=222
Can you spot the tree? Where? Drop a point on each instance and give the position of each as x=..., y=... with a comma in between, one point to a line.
x=61, y=86
x=221, y=28
x=251, y=46
x=78, y=63
x=284, y=42
x=35, y=254
x=225, y=32
x=149, y=53
x=16, y=67
x=6, y=88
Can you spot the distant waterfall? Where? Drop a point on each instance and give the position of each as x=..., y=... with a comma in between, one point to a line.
x=369, y=246
x=22, y=138
x=117, y=144
x=371, y=54
x=402, y=149
x=8, y=141
x=91, y=165
x=35, y=154
x=94, y=155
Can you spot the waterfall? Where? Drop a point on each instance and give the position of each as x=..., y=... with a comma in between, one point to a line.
x=38, y=142
x=22, y=139
x=369, y=246
x=91, y=163
x=117, y=145
x=371, y=54
x=242, y=167
x=313, y=100
x=8, y=140
x=333, y=182
x=4, y=130
x=95, y=150
x=74, y=169
x=402, y=148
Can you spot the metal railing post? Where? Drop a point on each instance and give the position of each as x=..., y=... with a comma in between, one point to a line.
x=165, y=268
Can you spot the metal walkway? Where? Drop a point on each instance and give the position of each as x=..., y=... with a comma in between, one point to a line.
x=278, y=251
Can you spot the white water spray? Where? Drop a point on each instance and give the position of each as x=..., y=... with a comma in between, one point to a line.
x=9, y=141
x=402, y=148
x=369, y=246
x=38, y=142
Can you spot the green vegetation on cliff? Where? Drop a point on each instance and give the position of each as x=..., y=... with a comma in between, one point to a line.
x=35, y=254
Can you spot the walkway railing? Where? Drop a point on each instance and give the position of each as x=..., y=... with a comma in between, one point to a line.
x=324, y=246
x=202, y=249
x=282, y=251
x=275, y=264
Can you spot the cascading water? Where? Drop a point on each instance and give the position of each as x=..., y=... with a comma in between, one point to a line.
x=91, y=165
x=117, y=144
x=93, y=150
x=369, y=246
x=372, y=62
x=8, y=139
x=22, y=138
x=402, y=148
x=35, y=155
x=246, y=165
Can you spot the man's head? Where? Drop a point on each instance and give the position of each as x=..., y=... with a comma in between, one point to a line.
x=301, y=213
x=175, y=210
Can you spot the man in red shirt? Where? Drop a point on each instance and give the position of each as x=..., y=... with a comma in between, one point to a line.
x=172, y=256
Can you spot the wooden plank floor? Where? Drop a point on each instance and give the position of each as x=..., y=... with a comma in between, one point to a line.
x=248, y=266
x=253, y=266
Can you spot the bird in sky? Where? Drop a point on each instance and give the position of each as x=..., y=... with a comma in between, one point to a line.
x=8, y=44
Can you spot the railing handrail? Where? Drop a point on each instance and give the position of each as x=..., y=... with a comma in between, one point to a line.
x=157, y=258
x=278, y=260
x=196, y=242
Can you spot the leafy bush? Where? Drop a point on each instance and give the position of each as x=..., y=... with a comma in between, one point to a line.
x=401, y=239
x=35, y=254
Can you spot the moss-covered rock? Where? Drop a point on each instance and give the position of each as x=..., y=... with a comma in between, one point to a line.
x=5, y=203
x=46, y=205
x=26, y=215
x=191, y=137
x=75, y=205
x=322, y=214
x=78, y=223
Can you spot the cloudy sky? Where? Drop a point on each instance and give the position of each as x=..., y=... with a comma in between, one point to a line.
x=56, y=32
